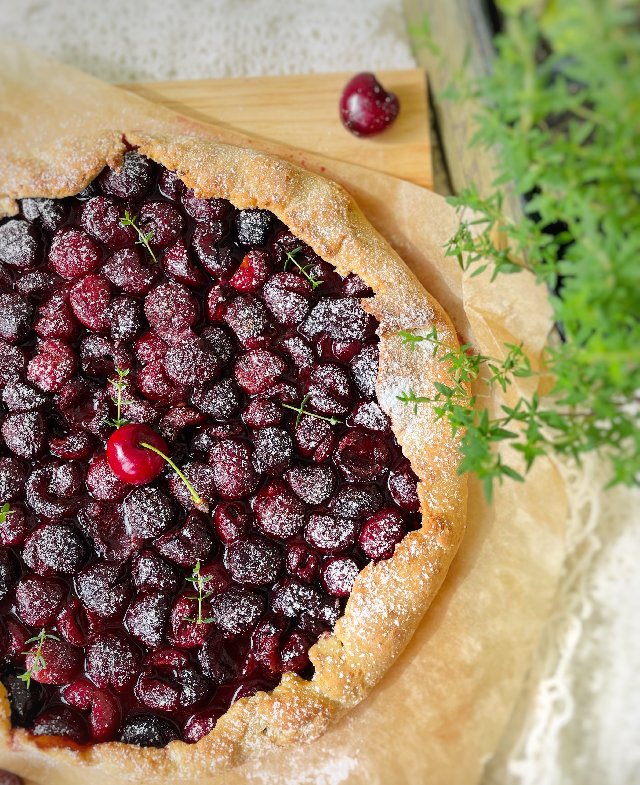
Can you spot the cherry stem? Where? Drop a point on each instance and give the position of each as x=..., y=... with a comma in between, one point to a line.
x=197, y=499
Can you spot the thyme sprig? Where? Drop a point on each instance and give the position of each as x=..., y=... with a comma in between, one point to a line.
x=302, y=411
x=199, y=581
x=119, y=385
x=143, y=238
x=456, y=403
x=39, y=663
x=291, y=257
x=5, y=512
x=560, y=107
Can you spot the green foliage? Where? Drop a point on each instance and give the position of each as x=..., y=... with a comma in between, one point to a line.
x=144, y=238
x=454, y=402
x=561, y=107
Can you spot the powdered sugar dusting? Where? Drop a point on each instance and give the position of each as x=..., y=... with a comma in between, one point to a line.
x=342, y=319
x=50, y=213
x=364, y=367
x=18, y=245
x=313, y=484
x=369, y=415
x=253, y=226
x=20, y=397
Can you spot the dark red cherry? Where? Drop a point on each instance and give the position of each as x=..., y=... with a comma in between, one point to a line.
x=129, y=461
x=294, y=654
x=381, y=533
x=163, y=221
x=366, y=108
x=179, y=265
x=12, y=362
x=133, y=180
x=73, y=253
x=61, y=721
x=252, y=226
x=104, y=717
x=126, y=271
x=89, y=299
x=230, y=521
x=207, y=211
x=170, y=310
x=102, y=482
x=302, y=562
x=252, y=273
x=19, y=245
x=338, y=575
x=48, y=213
x=38, y=600
x=53, y=365
x=63, y=661
x=55, y=318
x=403, y=487
x=102, y=217
x=258, y=370
x=147, y=730
x=17, y=316
x=112, y=660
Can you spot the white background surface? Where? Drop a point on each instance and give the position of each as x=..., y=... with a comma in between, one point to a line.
x=578, y=722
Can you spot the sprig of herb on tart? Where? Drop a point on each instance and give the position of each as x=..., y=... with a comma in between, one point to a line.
x=38, y=662
x=455, y=403
x=301, y=411
x=118, y=385
x=199, y=581
x=144, y=238
x=291, y=257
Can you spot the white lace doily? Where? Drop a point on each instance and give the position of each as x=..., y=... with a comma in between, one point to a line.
x=578, y=719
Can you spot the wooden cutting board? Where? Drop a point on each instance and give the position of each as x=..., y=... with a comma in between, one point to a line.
x=302, y=111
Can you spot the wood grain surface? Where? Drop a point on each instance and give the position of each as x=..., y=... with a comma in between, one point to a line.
x=302, y=111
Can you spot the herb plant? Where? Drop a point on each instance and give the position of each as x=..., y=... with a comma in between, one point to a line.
x=561, y=109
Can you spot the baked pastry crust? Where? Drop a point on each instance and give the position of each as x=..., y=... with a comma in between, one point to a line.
x=389, y=597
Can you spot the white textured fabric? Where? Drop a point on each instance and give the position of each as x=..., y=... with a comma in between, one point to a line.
x=137, y=40
x=578, y=719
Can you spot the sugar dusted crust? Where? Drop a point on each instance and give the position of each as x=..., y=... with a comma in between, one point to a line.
x=389, y=597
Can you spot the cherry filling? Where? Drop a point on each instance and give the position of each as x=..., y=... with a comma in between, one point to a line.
x=140, y=596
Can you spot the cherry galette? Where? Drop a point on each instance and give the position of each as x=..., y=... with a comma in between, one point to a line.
x=194, y=464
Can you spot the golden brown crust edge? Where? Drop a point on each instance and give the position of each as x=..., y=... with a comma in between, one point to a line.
x=389, y=598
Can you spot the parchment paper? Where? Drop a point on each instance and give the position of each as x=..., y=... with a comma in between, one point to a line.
x=439, y=713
